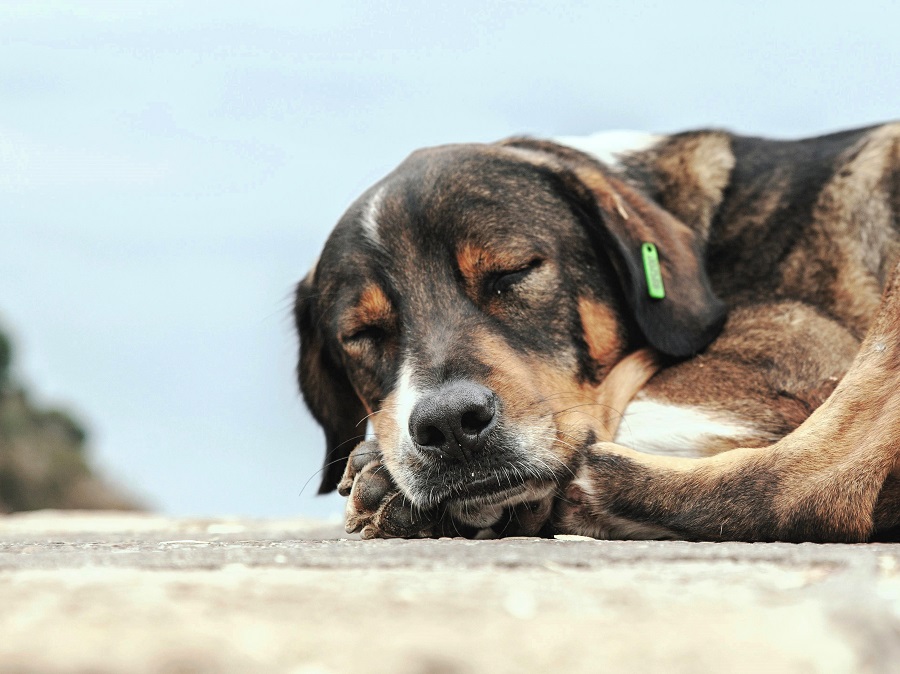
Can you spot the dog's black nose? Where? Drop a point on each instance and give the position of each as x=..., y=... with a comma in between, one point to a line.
x=454, y=420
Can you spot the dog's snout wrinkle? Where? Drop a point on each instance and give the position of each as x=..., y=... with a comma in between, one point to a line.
x=454, y=420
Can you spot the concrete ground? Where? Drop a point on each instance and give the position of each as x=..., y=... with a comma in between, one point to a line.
x=109, y=592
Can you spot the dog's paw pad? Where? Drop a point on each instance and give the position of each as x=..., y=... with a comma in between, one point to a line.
x=372, y=487
x=361, y=457
x=364, y=454
x=400, y=518
x=395, y=518
x=372, y=490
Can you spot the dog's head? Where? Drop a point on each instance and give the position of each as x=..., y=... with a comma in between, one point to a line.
x=471, y=303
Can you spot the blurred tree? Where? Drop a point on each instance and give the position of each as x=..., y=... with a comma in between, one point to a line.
x=43, y=463
x=5, y=358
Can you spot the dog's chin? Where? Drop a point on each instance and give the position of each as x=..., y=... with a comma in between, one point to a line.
x=487, y=509
x=481, y=500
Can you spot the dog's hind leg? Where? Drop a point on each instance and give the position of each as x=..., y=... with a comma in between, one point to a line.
x=835, y=478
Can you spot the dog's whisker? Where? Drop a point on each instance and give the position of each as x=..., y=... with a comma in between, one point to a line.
x=355, y=438
x=562, y=463
x=369, y=416
x=556, y=439
x=327, y=465
x=604, y=423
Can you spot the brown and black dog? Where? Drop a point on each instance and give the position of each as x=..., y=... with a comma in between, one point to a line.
x=486, y=310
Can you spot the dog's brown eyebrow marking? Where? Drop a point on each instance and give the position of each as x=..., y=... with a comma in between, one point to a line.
x=372, y=308
x=474, y=261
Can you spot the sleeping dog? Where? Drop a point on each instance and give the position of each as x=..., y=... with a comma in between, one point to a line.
x=621, y=335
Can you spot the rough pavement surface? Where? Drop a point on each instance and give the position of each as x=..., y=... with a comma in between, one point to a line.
x=136, y=593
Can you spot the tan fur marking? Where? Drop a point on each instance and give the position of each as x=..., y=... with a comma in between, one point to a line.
x=471, y=260
x=602, y=331
x=515, y=381
x=373, y=306
x=623, y=382
x=694, y=172
x=476, y=261
x=546, y=402
x=854, y=222
x=384, y=423
x=600, y=186
x=552, y=411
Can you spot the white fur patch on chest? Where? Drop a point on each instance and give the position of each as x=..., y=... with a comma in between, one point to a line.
x=609, y=146
x=677, y=430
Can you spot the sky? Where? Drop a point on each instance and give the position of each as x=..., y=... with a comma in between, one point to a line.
x=169, y=171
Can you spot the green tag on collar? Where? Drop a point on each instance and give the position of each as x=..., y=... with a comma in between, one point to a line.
x=655, y=287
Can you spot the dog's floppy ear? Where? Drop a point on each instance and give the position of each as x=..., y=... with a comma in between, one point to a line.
x=326, y=388
x=690, y=315
x=619, y=219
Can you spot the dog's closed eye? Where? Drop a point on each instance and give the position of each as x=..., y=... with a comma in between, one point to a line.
x=369, y=322
x=502, y=282
x=366, y=333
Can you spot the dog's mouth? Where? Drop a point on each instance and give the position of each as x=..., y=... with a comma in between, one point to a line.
x=488, y=490
x=482, y=501
x=502, y=486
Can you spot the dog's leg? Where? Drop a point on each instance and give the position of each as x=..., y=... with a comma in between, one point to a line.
x=835, y=478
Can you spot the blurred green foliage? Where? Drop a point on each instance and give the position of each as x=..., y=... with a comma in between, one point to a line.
x=43, y=463
x=5, y=359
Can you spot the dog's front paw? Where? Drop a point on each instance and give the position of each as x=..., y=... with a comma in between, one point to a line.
x=581, y=510
x=597, y=501
x=375, y=505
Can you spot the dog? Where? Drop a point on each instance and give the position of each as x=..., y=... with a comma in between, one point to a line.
x=619, y=336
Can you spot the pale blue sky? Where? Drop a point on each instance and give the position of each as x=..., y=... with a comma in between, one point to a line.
x=168, y=170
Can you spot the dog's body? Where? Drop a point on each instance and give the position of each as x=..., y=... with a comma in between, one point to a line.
x=799, y=238
x=486, y=305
